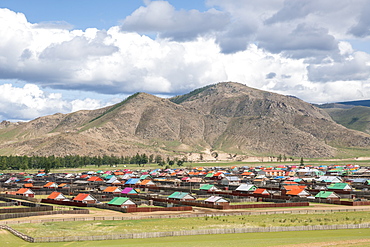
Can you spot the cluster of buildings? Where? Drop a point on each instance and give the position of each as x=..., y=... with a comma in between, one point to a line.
x=214, y=185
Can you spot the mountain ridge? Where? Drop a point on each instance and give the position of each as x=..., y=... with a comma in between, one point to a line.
x=225, y=117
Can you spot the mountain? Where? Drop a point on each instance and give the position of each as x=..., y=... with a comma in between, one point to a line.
x=228, y=118
x=353, y=115
x=356, y=103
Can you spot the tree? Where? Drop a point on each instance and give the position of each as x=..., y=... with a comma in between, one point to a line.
x=171, y=163
x=158, y=159
x=151, y=158
x=144, y=159
x=301, y=163
x=279, y=158
x=180, y=163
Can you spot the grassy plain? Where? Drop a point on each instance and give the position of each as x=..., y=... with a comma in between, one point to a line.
x=95, y=228
x=353, y=237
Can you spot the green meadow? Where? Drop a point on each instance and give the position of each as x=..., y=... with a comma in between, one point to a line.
x=95, y=228
x=354, y=237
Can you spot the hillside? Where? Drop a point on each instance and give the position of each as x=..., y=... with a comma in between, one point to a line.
x=350, y=116
x=226, y=118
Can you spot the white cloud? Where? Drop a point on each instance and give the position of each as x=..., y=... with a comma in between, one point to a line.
x=161, y=17
x=264, y=44
x=29, y=102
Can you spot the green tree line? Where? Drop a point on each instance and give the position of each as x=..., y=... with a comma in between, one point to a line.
x=77, y=161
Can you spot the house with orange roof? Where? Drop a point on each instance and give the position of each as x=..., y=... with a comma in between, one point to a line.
x=29, y=185
x=294, y=187
x=95, y=179
x=261, y=191
x=85, y=198
x=248, y=174
x=119, y=173
x=298, y=192
x=112, y=190
x=57, y=196
x=51, y=185
x=63, y=185
x=147, y=182
x=25, y=192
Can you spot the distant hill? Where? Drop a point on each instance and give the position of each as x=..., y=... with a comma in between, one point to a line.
x=356, y=103
x=226, y=118
x=353, y=114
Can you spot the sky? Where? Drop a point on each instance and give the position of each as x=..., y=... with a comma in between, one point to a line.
x=64, y=56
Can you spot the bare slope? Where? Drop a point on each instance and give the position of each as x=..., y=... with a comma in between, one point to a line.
x=226, y=117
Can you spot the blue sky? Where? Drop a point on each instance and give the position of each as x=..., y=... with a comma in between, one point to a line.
x=64, y=56
x=82, y=14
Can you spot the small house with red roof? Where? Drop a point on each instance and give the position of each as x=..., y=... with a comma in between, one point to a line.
x=85, y=198
x=51, y=185
x=112, y=190
x=25, y=192
x=95, y=179
x=57, y=196
x=261, y=191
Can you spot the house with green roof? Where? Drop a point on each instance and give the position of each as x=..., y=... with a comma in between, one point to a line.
x=208, y=187
x=123, y=202
x=327, y=195
x=340, y=186
x=181, y=196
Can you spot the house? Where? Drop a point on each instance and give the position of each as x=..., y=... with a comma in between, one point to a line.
x=246, y=188
x=57, y=196
x=230, y=180
x=51, y=185
x=95, y=179
x=133, y=181
x=123, y=202
x=329, y=179
x=25, y=192
x=216, y=200
x=64, y=185
x=327, y=195
x=298, y=192
x=28, y=185
x=130, y=191
x=112, y=179
x=147, y=182
x=85, y=198
x=112, y=189
x=273, y=173
x=340, y=186
x=261, y=191
x=28, y=180
x=208, y=187
x=181, y=196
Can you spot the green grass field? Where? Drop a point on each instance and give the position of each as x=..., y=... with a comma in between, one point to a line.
x=313, y=238
x=95, y=228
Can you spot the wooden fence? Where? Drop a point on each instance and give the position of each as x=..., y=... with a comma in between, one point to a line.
x=199, y=232
x=18, y=234
x=29, y=214
x=31, y=199
x=25, y=210
x=167, y=216
x=142, y=209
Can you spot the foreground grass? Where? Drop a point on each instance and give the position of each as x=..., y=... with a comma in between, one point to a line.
x=95, y=228
x=353, y=237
